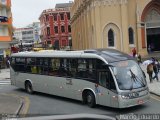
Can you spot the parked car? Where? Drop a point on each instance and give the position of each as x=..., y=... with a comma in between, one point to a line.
x=3, y=19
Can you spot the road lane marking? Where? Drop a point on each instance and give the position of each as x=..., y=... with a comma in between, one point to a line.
x=5, y=82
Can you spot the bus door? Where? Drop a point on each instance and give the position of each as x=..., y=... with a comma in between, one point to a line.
x=102, y=90
x=107, y=92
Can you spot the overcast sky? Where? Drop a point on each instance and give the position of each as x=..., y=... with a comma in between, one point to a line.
x=25, y=12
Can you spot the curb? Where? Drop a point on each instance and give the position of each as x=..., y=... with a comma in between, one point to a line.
x=17, y=111
x=154, y=93
x=19, y=107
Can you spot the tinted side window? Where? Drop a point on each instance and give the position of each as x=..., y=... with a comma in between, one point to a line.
x=42, y=66
x=58, y=67
x=31, y=66
x=81, y=71
x=86, y=69
x=91, y=69
x=103, y=77
x=72, y=67
x=20, y=65
x=45, y=66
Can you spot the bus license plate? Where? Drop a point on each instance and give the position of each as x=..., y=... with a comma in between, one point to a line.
x=140, y=101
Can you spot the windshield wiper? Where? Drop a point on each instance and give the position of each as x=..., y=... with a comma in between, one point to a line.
x=135, y=79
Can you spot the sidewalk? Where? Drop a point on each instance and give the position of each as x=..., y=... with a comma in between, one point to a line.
x=9, y=104
x=155, y=86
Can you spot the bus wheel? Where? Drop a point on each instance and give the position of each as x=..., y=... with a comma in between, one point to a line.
x=28, y=87
x=90, y=99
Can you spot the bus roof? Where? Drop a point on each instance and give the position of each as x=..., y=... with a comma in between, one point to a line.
x=110, y=55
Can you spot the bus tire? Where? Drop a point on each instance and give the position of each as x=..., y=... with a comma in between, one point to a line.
x=90, y=99
x=28, y=87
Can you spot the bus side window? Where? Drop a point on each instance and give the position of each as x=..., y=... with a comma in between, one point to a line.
x=91, y=69
x=72, y=67
x=45, y=66
x=20, y=64
x=104, y=79
x=30, y=64
x=39, y=63
x=82, y=69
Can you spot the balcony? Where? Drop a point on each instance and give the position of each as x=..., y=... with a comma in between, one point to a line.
x=5, y=21
x=5, y=38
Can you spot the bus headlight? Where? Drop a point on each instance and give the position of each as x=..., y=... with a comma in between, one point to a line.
x=124, y=96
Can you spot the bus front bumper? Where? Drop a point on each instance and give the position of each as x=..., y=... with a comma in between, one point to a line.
x=125, y=103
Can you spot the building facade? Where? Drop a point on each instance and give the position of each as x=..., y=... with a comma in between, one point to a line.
x=118, y=24
x=5, y=25
x=36, y=31
x=24, y=35
x=55, y=26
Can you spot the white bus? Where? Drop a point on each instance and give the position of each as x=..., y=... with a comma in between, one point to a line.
x=101, y=76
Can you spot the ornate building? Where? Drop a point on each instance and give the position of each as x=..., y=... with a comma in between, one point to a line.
x=55, y=26
x=118, y=24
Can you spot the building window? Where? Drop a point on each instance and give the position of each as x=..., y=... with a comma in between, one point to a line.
x=110, y=38
x=55, y=17
x=62, y=29
x=62, y=16
x=69, y=28
x=56, y=29
x=47, y=18
x=68, y=16
x=48, y=30
x=131, y=37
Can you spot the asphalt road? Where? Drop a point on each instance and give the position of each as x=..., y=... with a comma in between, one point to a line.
x=44, y=104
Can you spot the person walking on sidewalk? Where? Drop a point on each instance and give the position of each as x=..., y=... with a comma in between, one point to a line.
x=139, y=59
x=134, y=52
x=150, y=71
x=155, y=69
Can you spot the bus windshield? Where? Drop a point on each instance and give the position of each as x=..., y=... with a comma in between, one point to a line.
x=128, y=75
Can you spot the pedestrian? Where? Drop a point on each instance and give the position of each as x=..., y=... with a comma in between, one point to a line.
x=149, y=49
x=7, y=61
x=150, y=71
x=155, y=69
x=134, y=52
x=139, y=59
